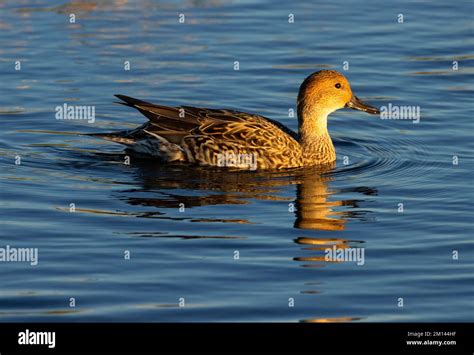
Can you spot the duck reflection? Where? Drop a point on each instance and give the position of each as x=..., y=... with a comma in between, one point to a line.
x=314, y=210
x=316, y=206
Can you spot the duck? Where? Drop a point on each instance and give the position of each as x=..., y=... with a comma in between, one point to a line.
x=235, y=139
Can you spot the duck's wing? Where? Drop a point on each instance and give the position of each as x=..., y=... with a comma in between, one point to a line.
x=204, y=125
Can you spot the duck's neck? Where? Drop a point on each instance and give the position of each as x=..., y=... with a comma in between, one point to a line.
x=314, y=136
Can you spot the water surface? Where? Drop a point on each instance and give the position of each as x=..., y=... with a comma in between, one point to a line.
x=183, y=226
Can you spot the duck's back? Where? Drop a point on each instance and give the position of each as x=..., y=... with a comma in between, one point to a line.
x=211, y=137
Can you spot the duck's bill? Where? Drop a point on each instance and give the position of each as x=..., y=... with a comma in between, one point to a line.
x=356, y=104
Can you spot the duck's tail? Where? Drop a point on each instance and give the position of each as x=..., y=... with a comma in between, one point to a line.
x=154, y=138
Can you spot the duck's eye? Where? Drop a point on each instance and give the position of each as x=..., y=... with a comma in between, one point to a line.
x=338, y=86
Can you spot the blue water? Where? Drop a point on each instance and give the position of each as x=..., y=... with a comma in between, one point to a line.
x=182, y=264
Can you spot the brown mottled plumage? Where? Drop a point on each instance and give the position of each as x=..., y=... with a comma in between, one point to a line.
x=237, y=139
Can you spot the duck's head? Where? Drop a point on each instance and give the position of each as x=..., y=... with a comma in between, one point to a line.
x=326, y=91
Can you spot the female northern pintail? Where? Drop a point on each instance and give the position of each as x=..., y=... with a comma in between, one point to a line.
x=216, y=137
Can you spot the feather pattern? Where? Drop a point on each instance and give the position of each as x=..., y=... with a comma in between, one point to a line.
x=215, y=137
